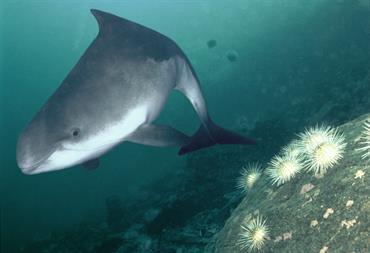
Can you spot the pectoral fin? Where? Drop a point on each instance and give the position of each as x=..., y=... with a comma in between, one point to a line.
x=92, y=164
x=158, y=136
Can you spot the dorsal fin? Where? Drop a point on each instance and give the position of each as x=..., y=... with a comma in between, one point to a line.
x=103, y=18
x=133, y=39
x=110, y=23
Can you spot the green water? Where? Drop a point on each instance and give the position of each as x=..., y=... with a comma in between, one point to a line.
x=286, y=50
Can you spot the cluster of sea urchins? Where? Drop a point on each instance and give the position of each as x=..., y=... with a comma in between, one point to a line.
x=316, y=150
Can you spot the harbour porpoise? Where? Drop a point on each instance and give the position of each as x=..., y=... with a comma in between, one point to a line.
x=113, y=94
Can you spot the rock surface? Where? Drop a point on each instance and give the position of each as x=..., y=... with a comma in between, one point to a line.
x=310, y=214
x=186, y=212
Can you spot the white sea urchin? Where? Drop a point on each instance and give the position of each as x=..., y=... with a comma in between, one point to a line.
x=249, y=176
x=323, y=147
x=292, y=149
x=282, y=168
x=365, y=140
x=254, y=234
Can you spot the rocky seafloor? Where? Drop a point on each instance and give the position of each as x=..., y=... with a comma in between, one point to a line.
x=200, y=210
x=330, y=213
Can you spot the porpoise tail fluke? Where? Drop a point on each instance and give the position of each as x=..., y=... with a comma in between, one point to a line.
x=212, y=135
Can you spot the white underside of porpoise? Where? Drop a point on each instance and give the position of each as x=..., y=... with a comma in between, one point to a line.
x=68, y=154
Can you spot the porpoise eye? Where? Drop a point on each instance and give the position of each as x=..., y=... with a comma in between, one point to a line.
x=75, y=132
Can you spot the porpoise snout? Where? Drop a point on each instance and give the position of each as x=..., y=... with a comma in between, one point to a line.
x=32, y=150
x=25, y=159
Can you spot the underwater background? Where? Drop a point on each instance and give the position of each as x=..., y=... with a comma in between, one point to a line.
x=268, y=69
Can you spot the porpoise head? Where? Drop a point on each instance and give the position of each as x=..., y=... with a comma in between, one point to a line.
x=85, y=117
x=60, y=138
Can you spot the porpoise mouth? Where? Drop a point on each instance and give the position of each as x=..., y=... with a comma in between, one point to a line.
x=30, y=169
x=48, y=162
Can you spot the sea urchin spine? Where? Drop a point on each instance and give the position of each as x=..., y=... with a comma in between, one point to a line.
x=323, y=148
x=365, y=141
x=283, y=168
x=249, y=176
x=254, y=234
